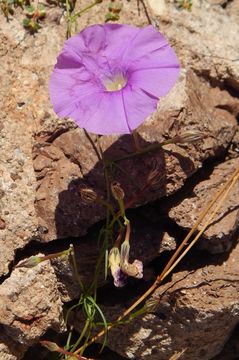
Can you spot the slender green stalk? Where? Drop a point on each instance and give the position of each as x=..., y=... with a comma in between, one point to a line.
x=143, y=151
x=77, y=275
x=79, y=13
x=68, y=19
x=184, y=138
x=83, y=332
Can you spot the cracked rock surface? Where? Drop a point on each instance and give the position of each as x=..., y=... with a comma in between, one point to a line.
x=30, y=304
x=45, y=161
x=218, y=236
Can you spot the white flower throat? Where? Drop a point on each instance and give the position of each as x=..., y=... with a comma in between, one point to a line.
x=116, y=83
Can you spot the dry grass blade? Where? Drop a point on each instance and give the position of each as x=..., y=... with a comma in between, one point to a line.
x=176, y=258
x=225, y=194
x=177, y=355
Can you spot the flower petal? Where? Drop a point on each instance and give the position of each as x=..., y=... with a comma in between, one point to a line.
x=162, y=58
x=119, y=38
x=156, y=82
x=94, y=38
x=138, y=105
x=110, y=117
x=146, y=41
x=90, y=40
x=68, y=87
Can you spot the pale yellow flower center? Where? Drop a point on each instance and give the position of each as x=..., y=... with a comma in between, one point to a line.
x=116, y=83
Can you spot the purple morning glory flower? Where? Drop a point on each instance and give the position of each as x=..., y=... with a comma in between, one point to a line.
x=109, y=78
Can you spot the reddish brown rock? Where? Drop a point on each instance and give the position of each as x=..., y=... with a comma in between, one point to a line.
x=218, y=236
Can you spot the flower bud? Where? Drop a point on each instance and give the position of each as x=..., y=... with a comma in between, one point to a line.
x=124, y=252
x=114, y=258
x=30, y=10
x=154, y=178
x=111, y=17
x=152, y=304
x=117, y=190
x=189, y=136
x=51, y=346
x=41, y=11
x=114, y=264
x=31, y=262
x=88, y=196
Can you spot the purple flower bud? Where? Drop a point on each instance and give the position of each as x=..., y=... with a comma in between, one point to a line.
x=120, y=278
x=114, y=265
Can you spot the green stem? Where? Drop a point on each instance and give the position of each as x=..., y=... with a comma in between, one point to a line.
x=136, y=140
x=77, y=275
x=143, y=150
x=68, y=19
x=79, y=13
x=94, y=284
x=122, y=211
x=87, y=323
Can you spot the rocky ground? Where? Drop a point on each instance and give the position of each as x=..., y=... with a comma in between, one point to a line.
x=44, y=161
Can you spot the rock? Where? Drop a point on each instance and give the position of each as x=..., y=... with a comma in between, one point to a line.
x=9, y=349
x=196, y=312
x=158, y=7
x=231, y=349
x=17, y=189
x=30, y=304
x=218, y=237
x=28, y=73
x=203, y=51
x=168, y=243
x=18, y=220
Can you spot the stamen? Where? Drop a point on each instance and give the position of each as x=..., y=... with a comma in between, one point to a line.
x=116, y=83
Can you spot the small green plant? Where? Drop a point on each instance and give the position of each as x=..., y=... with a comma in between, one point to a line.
x=8, y=6
x=185, y=4
x=63, y=4
x=114, y=11
x=33, y=17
